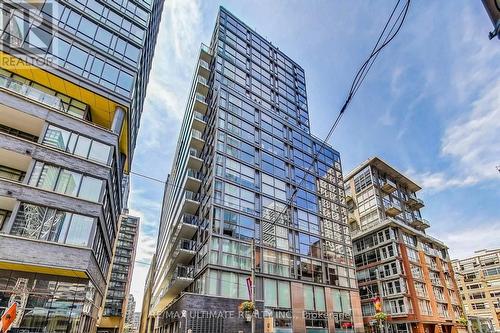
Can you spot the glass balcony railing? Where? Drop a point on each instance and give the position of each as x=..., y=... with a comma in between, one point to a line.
x=199, y=116
x=196, y=134
x=31, y=93
x=200, y=97
x=190, y=219
x=186, y=244
x=204, y=64
x=193, y=174
x=206, y=49
x=191, y=196
x=202, y=80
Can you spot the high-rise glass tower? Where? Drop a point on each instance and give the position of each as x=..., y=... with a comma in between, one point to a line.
x=246, y=168
x=73, y=77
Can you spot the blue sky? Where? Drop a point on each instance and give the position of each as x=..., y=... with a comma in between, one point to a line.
x=430, y=105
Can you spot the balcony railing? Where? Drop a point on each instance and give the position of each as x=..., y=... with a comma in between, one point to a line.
x=182, y=272
x=392, y=208
x=190, y=219
x=31, y=93
x=191, y=196
x=186, y=244
x=387, y=185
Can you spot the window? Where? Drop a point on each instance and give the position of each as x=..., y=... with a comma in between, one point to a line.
x=314, y=298
x=53, y=178
x=276, y=293
x=76, y=144
x=274, y=187
x=37, y=222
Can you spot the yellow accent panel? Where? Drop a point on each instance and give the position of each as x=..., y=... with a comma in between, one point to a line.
x=101, y=108
x=42, y=269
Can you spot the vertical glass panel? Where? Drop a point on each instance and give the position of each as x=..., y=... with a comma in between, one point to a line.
x=284, y=294
x=229, y=285
x=79, y=230
x=56, y=137
x=82, y=147
x=90, y=189
x=337, y=303
x=308, y=297
x=59, y=229
x=99, y=152
x=212, y=283
x=68, y=182
x=48, y=177
x=46, y=225
x=319, y=297
x=29, y=220
x=35, y=174
x=270, y=293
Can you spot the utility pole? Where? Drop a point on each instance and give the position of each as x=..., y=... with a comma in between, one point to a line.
x=253, y=285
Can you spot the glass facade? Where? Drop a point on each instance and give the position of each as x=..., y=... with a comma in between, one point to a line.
x=264, y=177
x=73, y=80
x=48, y=303
x=121, y=270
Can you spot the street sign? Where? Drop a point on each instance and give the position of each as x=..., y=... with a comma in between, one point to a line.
x=8, y=318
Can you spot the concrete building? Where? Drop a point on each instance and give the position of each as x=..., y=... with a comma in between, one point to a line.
x=395, y=258
x=73, y=76
x=118, y=309
x=478, y=279
x=247, y=168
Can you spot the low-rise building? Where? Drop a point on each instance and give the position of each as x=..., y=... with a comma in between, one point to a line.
x=478, y=279
x=395, y=258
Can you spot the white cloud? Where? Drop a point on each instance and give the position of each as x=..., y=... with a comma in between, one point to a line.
x=471, y=142
x=176, y=51
x=464, y=242
x=474, y=141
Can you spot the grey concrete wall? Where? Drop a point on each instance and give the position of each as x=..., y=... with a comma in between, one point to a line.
x=54, y=156
x=40, y=253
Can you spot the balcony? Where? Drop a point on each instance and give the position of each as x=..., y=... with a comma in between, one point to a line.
x=196, y=141
x=199, y=121
x=348, y=198
x=200, y=103
x=387, y=185
x=190, y=202
x=205, y=53
x=392, y=209
x=181, y=279
x=194, y=161
x=184, y=252
x=351, y=218
x=419, y=223
x=193, y=181
x=201, y=85
x=188, y=226
x=203, y=69
x=413, y=202
x=31, y=93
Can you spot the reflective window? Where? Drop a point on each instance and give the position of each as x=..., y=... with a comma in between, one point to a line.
x=37, y=222
x=67, y=182
x=76, y=144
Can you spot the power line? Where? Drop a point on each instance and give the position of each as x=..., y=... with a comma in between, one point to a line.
x=356, y=84
x=358, y=80
x=149, y=177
